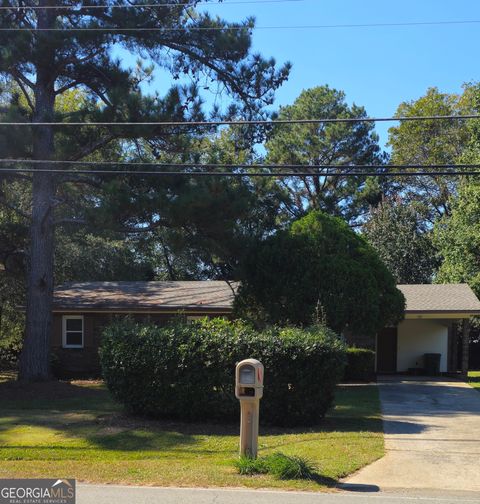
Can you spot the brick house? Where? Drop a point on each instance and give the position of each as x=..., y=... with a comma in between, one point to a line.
x=81, y=310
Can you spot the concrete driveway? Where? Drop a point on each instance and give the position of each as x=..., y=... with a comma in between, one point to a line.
x=432, y=436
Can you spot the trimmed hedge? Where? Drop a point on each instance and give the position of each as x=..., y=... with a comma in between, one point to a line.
x=360, y=364
x=185, y=371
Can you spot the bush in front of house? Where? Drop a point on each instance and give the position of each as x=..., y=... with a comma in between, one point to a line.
x=360, y=364
x=186, y=371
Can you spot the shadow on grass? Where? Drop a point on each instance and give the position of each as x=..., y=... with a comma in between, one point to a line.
x=58, y=395
x=86, y=411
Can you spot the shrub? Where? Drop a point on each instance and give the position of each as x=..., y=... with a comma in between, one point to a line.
x=318, y=262
x=11, y=337
x=10, y=347
x=281, y=466
x=185, y=371
x=9, y=355
x=360, y=364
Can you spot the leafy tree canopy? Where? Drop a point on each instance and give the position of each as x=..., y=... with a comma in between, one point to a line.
x=317, y=268
x=432, y=142
x=396, y=232
x=457, y=237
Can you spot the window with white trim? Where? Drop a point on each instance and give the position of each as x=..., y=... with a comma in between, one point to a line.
x=72, y=331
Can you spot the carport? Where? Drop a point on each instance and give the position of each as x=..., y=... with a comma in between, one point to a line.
x=437, y=321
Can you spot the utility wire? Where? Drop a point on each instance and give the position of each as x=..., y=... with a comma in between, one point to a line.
x=262, y=166
x=293, y=170
x=13, y=171
x=266, y=122
x=140, y=5
x=243, y=27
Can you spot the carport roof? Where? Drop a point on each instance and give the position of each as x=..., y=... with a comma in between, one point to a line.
x=440, y=298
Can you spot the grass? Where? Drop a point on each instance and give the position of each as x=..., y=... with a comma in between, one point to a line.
x=74, y=429
x=474, y=379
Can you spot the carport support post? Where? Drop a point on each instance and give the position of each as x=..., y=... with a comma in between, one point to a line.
x=465, y=346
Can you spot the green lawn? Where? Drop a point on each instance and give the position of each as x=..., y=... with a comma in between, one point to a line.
x=474, y=379
x=62, y=429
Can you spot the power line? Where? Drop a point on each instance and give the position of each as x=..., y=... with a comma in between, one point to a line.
x=243, y=27
x=262, y=166
x=293, y=170
x=266, y=122
x=140, y=5
x=232, y=174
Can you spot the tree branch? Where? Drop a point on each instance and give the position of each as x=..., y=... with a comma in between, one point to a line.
x=232, y=288
x=66, y=87
x=89, y=149
x=61, y=222
x=16, y=73
x=171, y=271
x=79, y=179
x=228, y=80
x=19, y=81
x=75, y=61
x=101, y=95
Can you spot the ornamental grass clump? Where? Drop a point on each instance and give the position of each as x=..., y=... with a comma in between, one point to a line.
x=279, y=465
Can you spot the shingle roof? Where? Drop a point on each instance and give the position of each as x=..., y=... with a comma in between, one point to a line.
x=148, y=296
x=455, y=298
x=218, y=296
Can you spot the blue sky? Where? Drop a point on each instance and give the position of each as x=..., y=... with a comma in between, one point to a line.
x=376, y=67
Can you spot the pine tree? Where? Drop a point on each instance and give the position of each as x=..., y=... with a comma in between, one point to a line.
x=59, y=48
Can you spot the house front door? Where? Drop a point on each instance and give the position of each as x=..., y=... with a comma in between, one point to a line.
x=387, y=350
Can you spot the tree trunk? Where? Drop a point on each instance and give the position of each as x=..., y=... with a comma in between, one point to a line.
x=35, y=357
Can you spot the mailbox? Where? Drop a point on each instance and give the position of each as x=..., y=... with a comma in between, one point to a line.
x=249, y=391
x=249, y=380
